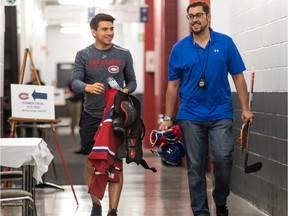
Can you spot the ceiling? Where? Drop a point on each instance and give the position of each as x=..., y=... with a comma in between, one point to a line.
x=113, y=2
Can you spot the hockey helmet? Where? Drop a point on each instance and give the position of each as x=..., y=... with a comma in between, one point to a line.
x=172, y=153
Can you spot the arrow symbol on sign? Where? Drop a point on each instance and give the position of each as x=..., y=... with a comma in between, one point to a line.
x=39, y=95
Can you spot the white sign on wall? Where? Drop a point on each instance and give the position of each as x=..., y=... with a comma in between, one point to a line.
x=122, y=13
x=32, y=101
x=63, y=14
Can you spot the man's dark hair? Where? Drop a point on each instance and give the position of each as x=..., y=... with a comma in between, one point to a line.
x=199, y=3
x=94, y=23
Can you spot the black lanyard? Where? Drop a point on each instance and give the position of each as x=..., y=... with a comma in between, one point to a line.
x=202, y=79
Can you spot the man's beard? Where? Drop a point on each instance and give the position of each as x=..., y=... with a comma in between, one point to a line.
x=199, y=31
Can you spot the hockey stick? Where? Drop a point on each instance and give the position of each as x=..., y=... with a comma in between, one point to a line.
x=246, y=135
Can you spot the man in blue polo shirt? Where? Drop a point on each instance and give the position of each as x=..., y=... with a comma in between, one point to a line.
x=198, y=69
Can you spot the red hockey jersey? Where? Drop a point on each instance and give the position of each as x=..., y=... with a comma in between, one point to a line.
x=107, y=166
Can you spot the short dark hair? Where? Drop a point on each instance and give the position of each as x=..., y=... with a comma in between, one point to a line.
x=199, y=3
x=94, y=23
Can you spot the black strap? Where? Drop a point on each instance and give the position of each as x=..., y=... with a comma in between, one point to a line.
x=146, y=166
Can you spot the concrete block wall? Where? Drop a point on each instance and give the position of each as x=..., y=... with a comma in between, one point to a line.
x=259, y=29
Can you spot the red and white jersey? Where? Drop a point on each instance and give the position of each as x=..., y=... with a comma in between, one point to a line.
x=102, y=156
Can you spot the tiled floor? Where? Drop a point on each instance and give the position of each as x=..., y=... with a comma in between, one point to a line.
x=164, y=193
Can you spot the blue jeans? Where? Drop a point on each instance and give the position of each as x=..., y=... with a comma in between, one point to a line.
x=196, y=137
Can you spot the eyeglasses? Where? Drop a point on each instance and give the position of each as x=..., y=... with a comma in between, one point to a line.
x=192, y=16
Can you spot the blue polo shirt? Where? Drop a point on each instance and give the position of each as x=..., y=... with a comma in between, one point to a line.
x=219, y=58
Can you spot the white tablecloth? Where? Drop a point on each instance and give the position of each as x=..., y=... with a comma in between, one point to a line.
x=17, y=152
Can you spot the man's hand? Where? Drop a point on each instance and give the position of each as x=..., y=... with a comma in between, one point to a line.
x=125, y=90
x=247, y=115
x=96, y=88
x=165, y=125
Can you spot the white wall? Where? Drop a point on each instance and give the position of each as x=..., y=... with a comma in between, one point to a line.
x=62, y=48
x=31, y=34
x=220, y=15
x=259, y=29
x=132, y=35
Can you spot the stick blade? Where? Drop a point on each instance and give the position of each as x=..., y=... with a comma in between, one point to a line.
x=253, y=167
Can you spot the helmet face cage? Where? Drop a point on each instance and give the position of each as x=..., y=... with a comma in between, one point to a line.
x=172, y=153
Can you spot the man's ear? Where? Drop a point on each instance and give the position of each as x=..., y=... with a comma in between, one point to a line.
x=209, y=17
x=93, y=32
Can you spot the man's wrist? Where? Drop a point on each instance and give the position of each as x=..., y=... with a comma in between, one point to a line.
x=125, y=90
x=86, y=89
x=167, y=118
